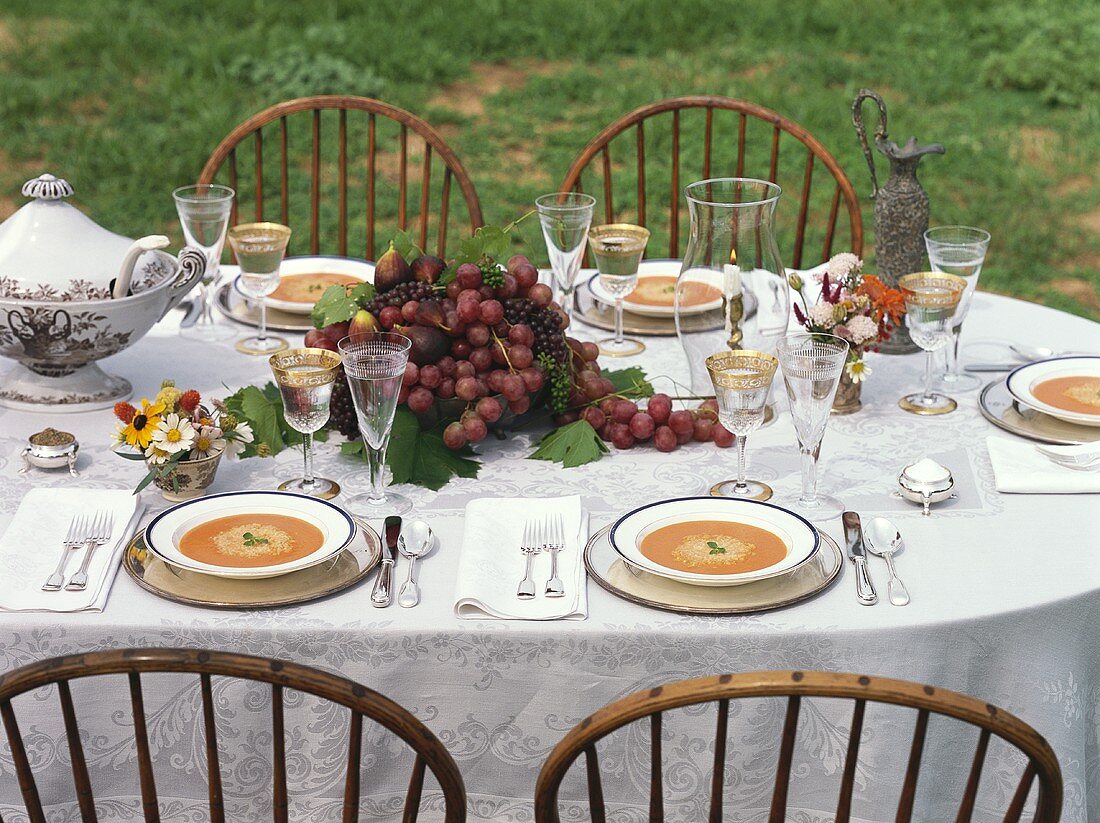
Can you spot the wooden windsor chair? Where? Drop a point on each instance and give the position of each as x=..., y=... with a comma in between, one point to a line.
x=281, y=675
x=651, y=703
x=383, y=162
x=757, y=157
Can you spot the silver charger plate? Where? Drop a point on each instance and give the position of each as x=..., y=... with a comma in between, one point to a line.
x=349, y=567
x=232, y=305
x=999, y=408
x=615, y=576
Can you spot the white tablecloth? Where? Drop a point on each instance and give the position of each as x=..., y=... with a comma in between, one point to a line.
x=1006, y=606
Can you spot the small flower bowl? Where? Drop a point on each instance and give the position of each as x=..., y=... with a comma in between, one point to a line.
x=189, y=479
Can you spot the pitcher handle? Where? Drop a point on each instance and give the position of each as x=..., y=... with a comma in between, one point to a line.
x=861, y=132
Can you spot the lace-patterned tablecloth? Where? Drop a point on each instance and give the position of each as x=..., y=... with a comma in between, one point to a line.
x=1006, y=605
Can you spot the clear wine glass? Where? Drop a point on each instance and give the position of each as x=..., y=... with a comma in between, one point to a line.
x=374, y=364
x=565, y=218
x=618, y=249
x=742, y=381
x=204, y=211
x=260, y=248
x=958, y=250
x=305, y=378
x=931, y=300
x=812, y=365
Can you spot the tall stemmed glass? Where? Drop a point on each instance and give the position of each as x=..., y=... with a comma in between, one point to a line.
x=618, y=249
x=958, y=250
x=374, y=364
x=305, y=378
x=204, y=211
x=742, y=380
x=260, y=248
x=565, y=218
x=931, y=300
x=812, y=365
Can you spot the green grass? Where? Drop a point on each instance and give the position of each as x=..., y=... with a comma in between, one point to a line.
x=128, y=99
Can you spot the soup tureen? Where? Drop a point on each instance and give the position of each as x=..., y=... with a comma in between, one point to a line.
x=72, y=293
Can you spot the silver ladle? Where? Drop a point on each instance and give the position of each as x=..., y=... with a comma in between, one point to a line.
x=881, y=533
x=415, y=542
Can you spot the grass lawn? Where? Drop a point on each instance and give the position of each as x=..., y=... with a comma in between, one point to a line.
x=126, y=99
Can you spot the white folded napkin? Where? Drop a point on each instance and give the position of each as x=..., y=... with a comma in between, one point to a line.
x=31, y=547
x=491, y=565
x=1018, y=468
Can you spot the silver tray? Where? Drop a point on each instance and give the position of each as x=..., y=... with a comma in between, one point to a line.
x=610, y=572
x=231, y=304
x=589, y=310
x=208, y=591
x=999, y=408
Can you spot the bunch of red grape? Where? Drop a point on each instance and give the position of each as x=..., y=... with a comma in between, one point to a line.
x=621, y=423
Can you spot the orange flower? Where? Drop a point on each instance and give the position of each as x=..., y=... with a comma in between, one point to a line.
x=189, y=400
x=124, y=412
x=888, y=302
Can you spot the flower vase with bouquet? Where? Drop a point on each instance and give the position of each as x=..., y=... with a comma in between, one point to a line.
x=857, y=307
x=179, y=438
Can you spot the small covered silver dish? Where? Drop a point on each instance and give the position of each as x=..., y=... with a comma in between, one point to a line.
x=51, y=449
x=926, y=482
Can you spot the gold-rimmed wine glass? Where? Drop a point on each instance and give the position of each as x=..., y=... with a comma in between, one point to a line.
x=931, y=299
x=618, y=249
x=259, y=248
x=305, y=378
x=742, y=380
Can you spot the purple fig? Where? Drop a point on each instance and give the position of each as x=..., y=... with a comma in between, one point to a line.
x=363, y=323
x=429, y=313
x=428, y=268
x=391, y=270
x=428, y=344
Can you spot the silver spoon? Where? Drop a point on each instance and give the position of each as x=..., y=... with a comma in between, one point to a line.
x=415, y=542
x=1031, y=352
x=880, y=534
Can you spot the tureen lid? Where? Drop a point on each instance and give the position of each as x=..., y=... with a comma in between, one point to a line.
x=50, y=248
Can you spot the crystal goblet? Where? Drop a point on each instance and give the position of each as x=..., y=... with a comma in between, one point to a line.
x=260, y=248
x=958, y=250
x=931, y=300
x=204, y=211
x=374, y=364
x=742, y=381
x=305, y=378
x=812, y=365
x=565, y=218
x=618, y=249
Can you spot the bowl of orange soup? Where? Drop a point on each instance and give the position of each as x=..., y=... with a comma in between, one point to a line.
x=1067, y=388
x=250, y=534
x=302, y=280
x=655, y=293
x=714, y=541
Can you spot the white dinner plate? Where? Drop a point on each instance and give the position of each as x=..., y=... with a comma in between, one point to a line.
x=800, y=538
x=360, y=269
x=1022, y=381
x=164, y=533
x=651, y=268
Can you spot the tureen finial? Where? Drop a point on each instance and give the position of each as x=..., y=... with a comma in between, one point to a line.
x=47, y=187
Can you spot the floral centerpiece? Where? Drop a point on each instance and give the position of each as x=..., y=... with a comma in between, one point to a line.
x=857, y=307
x=180, y=439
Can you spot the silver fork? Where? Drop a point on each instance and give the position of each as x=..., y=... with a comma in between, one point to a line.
x=74, y=539
x=530, y=546
x=100, y=534
x=555, y=543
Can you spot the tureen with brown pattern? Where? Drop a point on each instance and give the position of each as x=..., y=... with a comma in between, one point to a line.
x=72, y=293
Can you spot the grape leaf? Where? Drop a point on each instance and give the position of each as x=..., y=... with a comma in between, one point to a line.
x=571, y=445
x=419, y=457
x=334, y=306
x=405, y=246
x=631, y=381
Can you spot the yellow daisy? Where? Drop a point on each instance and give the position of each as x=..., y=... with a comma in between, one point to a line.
x=139, y=431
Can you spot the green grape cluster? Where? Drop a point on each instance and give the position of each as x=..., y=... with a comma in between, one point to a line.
x=492, y=273
x=561, y=383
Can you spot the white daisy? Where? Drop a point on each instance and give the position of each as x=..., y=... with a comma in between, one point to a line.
x=208, y=442
x=857, y=370
x=173, y=434
x=155, y=456
x=241, y=435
